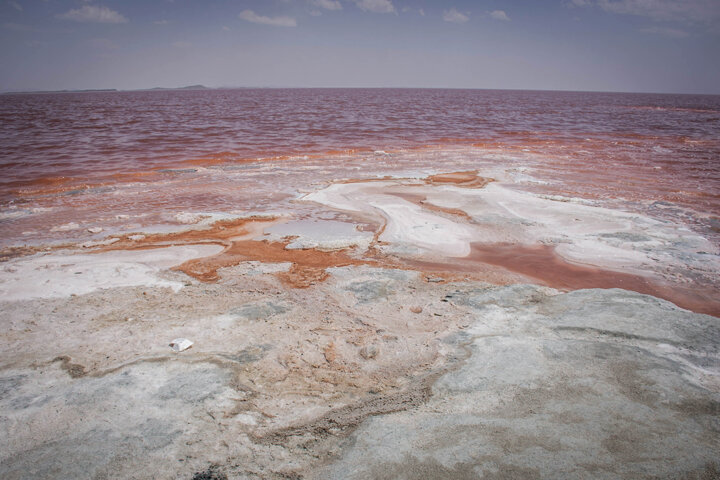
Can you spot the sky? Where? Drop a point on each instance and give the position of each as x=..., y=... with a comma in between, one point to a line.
x=589, y=45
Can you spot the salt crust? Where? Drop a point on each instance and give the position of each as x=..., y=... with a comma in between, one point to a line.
x=55, y=275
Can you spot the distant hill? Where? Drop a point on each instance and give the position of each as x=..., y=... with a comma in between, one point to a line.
x=189, y=87
x=62, y=91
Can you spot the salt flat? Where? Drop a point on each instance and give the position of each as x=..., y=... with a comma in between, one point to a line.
x=386, y=343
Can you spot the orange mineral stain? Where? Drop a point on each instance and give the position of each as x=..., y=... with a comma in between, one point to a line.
x=468, y=179
x=308, y=265
x=541, y=263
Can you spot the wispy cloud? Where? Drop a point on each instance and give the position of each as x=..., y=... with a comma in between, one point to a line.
x=500, y=15
x=161, y=22
x=16, y=6
x=327, y=4
x=93, y=14
x=376, y=6
x=282, y=21
x=453, y=16
x=693, y=11
x=666, y=32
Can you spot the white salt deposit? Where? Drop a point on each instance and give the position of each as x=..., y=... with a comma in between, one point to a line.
x=582, y=233
x=321, y=234
x=53, y=275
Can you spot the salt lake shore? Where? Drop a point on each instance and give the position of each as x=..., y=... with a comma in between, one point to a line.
x=447, y=326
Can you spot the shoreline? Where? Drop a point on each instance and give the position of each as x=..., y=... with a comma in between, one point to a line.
x=431, y=313
x=452, y=223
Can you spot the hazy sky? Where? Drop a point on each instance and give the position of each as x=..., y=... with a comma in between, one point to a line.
x=615, y=45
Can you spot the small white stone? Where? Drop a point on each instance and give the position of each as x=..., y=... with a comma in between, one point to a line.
x=95, y=229
x=180, y=344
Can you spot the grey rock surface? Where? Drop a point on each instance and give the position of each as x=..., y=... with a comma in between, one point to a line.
x=590, y=384
x=344, y=381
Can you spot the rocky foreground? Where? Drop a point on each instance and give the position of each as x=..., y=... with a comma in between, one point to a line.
x=374, y=373
x=442, y=327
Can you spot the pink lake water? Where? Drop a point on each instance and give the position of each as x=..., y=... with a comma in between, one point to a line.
x=126, y=160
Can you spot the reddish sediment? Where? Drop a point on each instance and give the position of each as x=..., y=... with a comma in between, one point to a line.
x=220, y=232
x=469, y=179
x=422, y=201
x=543, y=264
x=308, y=265
x=494, y=263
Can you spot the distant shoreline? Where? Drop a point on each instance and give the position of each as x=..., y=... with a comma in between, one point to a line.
x=92, y=90
x=203, y=87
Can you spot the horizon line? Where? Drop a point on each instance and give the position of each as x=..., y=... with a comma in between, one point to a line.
x=197, y=87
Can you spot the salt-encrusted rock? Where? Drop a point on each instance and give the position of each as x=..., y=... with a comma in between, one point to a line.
x=95, y=229
x=136, y=238
x=548, y=373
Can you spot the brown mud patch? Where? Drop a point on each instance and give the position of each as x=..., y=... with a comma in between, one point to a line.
x=221, y=232
x=422, y=201
x=308, y=265
x=75, y=370
x=469, y=179
x=542, y=263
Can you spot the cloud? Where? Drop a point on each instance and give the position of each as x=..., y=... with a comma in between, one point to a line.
x=666, y=32
x=327, y=4
x=500, y=15
x=376, y=6
x=253, y=17
x=453, y=16
x=686, y=11
x=93, y=14
x=161, y=22
x=16, y=6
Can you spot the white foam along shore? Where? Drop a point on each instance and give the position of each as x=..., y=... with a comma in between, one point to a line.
x=56, y=275
x=581, y=233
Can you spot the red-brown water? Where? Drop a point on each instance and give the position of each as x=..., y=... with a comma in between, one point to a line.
x=88, y=157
